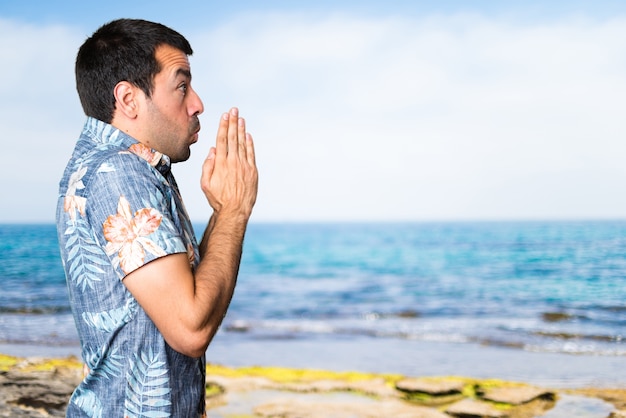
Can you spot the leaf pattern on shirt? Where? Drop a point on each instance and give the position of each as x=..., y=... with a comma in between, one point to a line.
x=147, y=387
x=126, y=235
x=107, y=363
x=84, y=256
x=109, y=321
x=88, y=402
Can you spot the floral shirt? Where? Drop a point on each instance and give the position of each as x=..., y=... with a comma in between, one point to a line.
x=119, y=208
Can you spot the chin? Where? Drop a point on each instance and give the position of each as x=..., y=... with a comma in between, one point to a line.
x=180, y=158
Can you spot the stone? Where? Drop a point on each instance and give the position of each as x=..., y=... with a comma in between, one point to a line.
x=434, y=387
x=516, y=395
x=373, y=387
x=33, y=394
x=618, y=414
x=470, y=408
x=385, y=408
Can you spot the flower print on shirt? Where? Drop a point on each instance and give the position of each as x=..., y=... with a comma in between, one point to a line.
x=152, y=157
x=127, y=235
x=72, y=202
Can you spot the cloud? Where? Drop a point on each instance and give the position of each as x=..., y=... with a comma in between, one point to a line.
x=446, y=117
x=39, y=115
x=396, y=118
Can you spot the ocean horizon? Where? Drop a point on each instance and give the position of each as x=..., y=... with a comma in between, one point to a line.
x=527, y=300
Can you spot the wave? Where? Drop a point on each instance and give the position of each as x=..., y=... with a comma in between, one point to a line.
x=561, y=316
x=54, y=341
x=576, y=349
x=612, y=316
x=279, y=328
x=520, y=337
x=30, y=310
x=579, y=336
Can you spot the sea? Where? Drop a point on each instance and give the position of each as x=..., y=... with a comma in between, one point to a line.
x=539, y=302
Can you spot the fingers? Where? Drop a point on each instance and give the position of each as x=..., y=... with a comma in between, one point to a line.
x=233, y=132
x=221, y=143
x=232, y=139
x=229, y=174
x=241, y=138
x=207, y=170
x=250, y=150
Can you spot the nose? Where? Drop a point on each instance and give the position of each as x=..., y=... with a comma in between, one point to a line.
x=196, y=106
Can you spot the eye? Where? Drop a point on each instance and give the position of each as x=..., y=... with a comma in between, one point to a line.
x=183, y=87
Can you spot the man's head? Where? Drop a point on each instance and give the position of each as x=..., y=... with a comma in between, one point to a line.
x=122, y=50
x=135, y=75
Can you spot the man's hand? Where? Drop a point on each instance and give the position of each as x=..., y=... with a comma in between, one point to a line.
x=188, y=306
x=229, y=174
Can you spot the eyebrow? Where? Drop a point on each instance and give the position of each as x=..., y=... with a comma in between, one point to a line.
x=184, y=72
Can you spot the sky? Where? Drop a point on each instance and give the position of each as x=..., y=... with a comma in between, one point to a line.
x=360, y=110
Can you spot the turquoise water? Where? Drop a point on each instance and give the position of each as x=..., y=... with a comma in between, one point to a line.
x=556, y=287
x=529, y=287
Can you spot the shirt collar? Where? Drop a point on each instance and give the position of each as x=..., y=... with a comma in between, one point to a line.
x=164, y=165
x=108, y=134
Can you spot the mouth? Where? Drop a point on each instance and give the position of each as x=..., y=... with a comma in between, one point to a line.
x=195, y=131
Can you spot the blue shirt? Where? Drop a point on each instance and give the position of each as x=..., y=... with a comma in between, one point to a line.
x=119, y=208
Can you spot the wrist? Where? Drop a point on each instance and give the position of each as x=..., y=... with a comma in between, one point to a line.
x=225, y=218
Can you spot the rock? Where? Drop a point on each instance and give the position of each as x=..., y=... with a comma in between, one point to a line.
x=616, y=397
x=470, y=408
x=373, y=387
x=304, y=409
x=434, y=387
x=33, y=394
x=34, y=388
x=516, y=395
x=241, y=384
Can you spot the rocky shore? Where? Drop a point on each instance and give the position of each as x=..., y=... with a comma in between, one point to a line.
x=35, y=387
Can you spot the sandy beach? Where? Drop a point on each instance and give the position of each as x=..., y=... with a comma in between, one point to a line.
x=39, y=387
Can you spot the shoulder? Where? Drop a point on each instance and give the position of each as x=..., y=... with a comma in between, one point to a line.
x=116, y=167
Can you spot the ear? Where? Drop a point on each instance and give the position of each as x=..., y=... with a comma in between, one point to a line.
x=126, y=98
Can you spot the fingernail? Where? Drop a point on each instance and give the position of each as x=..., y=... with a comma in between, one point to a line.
x=234, y=111
x=241, y=121
x=225, y=116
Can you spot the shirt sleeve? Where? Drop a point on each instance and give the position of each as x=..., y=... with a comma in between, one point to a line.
x=130, y=209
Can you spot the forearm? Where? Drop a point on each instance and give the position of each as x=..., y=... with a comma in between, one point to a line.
x=216, y=275
x=205, y=236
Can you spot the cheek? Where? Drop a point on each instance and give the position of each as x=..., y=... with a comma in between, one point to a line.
x=174, y=115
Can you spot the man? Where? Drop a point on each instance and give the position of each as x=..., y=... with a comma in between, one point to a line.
x=146, y=299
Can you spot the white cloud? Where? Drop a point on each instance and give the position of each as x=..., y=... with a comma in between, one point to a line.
x=443, y=117
x=39, y=115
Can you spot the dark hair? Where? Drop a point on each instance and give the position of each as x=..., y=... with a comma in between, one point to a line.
x=121, y=50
